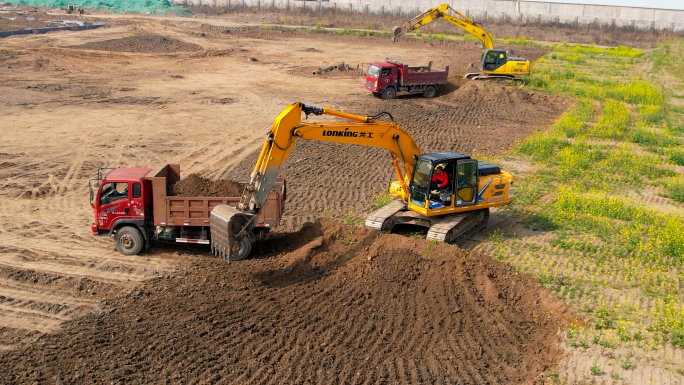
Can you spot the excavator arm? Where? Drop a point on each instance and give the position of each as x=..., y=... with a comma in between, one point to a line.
x=230, y=225
x=288, y=128
x=463, y=22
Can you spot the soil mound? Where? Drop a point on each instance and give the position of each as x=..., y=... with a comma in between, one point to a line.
x=196, y=186
x=329, y=304
x=140, y=43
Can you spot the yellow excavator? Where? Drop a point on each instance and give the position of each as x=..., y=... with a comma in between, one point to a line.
x=452, y=205
x=495, y=64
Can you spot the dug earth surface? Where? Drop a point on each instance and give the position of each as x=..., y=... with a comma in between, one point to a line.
x=323, y=304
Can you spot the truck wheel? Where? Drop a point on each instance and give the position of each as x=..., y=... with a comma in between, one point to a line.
x=129, y=241
x=430, y=92
x=389, y=93
x=245, y=247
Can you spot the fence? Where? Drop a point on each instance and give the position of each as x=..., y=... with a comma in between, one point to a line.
x=480, y=10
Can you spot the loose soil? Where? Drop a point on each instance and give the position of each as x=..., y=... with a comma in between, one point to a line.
x=143, y=43
x=196, y=186
x=328, y=304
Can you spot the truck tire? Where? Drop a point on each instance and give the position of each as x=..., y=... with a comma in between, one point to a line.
x=430, y=92
x=245, y=249
x=129, y=241
x=389, y=93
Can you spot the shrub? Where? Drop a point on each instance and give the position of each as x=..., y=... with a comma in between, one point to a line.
x=675, y=189
x=614, y=121
x=678, y=339
x=675, y=156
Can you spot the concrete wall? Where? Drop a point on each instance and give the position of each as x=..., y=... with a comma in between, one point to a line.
x=483, y=10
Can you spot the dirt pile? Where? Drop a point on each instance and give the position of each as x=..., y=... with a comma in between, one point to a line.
x=196, y=186
x=329, y=304
x=140, y=43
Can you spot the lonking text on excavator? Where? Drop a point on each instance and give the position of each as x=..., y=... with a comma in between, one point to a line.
x=495, y=64
x=453, y=208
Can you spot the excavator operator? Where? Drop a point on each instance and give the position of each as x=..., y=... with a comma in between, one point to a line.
x=440, y=179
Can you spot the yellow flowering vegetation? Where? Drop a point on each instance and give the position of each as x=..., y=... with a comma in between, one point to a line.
x=613, y=256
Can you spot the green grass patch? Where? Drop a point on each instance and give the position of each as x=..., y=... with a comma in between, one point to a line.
x=610, y=254
x=675, y=189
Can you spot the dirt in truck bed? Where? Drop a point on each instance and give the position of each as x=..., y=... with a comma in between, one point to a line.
x=195, y=185
x=328, y=304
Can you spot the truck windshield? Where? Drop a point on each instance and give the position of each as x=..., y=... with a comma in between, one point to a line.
x=112, y=192
x=373, y=71
x=420, y=182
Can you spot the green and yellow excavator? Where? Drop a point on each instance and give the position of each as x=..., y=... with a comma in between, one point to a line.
x=495, y=64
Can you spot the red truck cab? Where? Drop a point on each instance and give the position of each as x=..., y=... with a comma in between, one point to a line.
x=123, y=197
x=388, y=78
x=132, y=205
x=380, y=75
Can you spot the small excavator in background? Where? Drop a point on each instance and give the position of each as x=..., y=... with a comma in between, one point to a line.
x=452, y=210
x=495, y=64
x=74, y=8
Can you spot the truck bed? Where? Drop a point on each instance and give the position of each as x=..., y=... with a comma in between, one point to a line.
x=195, y=211
x=422, y=75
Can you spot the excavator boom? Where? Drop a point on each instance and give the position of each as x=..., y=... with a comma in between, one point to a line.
x=444, y=11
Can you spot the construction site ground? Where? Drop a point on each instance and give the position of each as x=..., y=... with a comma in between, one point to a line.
x=319, y=302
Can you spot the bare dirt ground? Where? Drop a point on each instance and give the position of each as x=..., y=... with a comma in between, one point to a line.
x=347, y=305
x=323, y=304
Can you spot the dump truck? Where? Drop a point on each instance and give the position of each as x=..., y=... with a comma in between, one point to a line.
x=388, y=78
x=133, y=206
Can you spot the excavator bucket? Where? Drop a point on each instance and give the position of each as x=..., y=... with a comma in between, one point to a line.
x=230, y=233
x=397, y=31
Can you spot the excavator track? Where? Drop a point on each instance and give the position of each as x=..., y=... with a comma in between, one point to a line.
x=382, y=218
x=453, y=228
x=495, y=78
x=448, y=228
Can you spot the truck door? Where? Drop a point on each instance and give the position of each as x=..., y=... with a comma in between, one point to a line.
x=466, y=183
x=386, y=77
x=137, y=208
x=113, y=203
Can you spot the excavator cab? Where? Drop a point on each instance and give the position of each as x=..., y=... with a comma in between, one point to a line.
x=496, y=62
x=427, y=189
x=493, y=59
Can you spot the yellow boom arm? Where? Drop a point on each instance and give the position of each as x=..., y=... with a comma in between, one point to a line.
x=465, y=23
x=361, y=130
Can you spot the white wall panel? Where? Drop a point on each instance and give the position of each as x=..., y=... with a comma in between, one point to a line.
x=482, y=10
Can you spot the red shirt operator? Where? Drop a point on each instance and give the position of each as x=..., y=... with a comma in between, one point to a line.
x=441, y=177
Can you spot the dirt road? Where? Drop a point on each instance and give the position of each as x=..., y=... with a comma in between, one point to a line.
x=144, y=92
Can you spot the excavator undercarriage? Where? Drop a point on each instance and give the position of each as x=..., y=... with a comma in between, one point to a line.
x=448, y=229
